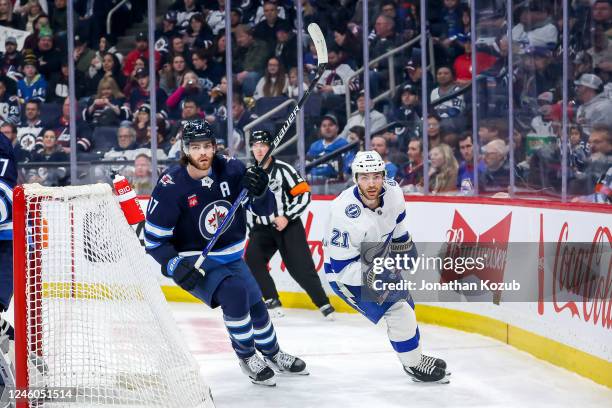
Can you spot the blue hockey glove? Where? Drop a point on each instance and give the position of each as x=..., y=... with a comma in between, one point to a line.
x=184, y=273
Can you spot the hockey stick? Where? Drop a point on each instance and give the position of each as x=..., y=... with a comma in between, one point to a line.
x=319, y=42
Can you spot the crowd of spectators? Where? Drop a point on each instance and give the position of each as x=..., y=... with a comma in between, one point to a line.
x=114, y=101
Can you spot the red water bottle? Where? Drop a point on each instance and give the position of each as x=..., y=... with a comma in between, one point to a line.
x=128, y=200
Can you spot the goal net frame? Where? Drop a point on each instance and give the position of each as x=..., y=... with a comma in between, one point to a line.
x=37, y=311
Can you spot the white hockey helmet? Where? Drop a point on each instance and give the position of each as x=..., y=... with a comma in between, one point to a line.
x=368, y=162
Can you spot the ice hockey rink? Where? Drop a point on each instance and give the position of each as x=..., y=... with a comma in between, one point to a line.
x=352, y=365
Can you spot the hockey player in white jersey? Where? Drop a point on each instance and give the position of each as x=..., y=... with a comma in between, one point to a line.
x=374, y=211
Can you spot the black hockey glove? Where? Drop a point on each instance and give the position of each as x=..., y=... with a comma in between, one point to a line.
x=184, y=273
x=255, y=181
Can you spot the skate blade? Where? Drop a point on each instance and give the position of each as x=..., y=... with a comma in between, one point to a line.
x=277, y=370
x=444, y=380
x=289, y=373
x=330, y=317
x=266, y=383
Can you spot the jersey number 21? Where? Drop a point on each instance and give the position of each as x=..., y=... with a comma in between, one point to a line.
x=339, y=239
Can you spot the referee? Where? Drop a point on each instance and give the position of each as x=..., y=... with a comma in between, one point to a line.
x=283, y=231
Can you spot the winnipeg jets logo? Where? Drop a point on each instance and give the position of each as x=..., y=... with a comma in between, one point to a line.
x=212, y=216
x=207, y=182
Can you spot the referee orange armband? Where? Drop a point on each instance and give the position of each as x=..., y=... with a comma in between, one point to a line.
x=300, y=188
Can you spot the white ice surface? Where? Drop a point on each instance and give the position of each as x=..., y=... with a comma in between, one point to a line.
x=352, y=365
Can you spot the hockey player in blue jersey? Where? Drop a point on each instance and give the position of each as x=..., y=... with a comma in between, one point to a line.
x=8, y=179
x=188, y=203
x=374, y=211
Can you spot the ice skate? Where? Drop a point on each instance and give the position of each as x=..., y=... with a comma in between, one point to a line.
x=257, y=370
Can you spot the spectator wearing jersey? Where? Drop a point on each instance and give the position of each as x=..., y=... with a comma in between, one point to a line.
x=51, y=176
x=62, y=130
x=216, y=18
x=330, y=141
x=443, y=169
x=535, y=27
x=595, y=108
x=250, y=59
x=377, y=119
x=332, y=85
x=445, y=77
x=466, y=166
x=126, y=147
x=58, y=85
x=29, y=129
x=274, y=82
x=11, y=59
x=141, y=50
x=168, y=30
x=33, y=86
x=106, y=108
x=209, y=74
x=379, y=144
x=10, y=110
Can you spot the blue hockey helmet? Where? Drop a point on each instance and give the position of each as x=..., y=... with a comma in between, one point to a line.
x=197, y=130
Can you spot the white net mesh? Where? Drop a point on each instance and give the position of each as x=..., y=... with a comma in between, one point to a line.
x=96, y=317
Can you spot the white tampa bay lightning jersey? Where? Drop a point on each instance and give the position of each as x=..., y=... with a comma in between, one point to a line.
x=351, y=223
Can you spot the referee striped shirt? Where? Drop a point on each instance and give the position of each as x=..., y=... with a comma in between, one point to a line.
x=291, y=192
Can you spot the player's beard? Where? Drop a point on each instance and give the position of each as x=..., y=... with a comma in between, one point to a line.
x=370, y=196
x=200, y=164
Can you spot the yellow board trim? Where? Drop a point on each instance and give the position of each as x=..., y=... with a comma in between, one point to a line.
x=584, y=364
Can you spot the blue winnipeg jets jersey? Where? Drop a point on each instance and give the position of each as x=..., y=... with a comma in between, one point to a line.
x=183, y=213
x=8, y=179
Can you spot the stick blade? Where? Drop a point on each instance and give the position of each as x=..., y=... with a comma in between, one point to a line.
x=319, y=42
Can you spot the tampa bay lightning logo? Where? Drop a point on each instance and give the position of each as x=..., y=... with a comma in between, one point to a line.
x=352, y=211
x=212, y=216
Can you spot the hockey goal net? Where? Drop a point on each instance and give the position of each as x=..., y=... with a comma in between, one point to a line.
x=92, y=324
